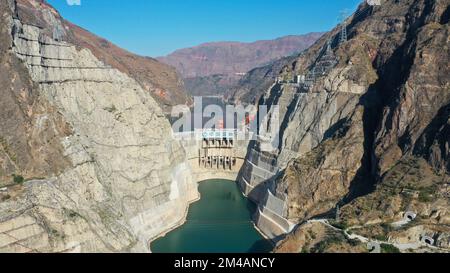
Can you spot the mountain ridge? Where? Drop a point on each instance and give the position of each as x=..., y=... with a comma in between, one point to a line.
x=364, y=140
x=281, y=47
x=215, y=67
x=160, y=79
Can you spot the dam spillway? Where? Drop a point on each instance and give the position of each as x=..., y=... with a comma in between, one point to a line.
x=217, y=149
x=214, y=154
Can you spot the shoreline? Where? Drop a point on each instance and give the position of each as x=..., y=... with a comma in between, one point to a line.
x=263, y=235
x=254, y=222
x=177, y=225
x=184, y=220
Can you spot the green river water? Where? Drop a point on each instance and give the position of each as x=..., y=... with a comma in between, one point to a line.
x=219, y=223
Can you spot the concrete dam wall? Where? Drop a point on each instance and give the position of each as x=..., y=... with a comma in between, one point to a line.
x=213, y=157
x=223, y=157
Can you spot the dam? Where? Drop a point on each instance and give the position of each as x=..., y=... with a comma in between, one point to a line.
x=228, y=181
x=234, y=211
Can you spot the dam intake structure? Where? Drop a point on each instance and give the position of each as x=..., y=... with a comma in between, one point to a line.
x=213, y=154
x=217, y=149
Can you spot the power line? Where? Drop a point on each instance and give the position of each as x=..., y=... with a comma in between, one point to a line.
x=343, y=36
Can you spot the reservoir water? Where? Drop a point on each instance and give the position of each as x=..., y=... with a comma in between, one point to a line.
x=220, y=222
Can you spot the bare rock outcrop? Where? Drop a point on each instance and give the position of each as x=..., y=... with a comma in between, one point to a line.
x=350, y=121
x=102, y=175
x=160, y=80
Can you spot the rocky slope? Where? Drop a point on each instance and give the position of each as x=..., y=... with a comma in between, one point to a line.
x=80, y=131
x=161, y=80
x=202, y=65
x=214, y=85
x=255, y=83
x=367, y=133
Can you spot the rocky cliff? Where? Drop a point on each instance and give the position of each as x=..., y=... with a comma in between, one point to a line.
x=255, y=83
x=213, y=68
x=364, y=133
x=161, y=80
x=94, y=170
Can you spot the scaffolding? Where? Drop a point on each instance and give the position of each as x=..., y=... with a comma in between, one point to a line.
x=322, y=67
x=327, y=61
x=343, y=35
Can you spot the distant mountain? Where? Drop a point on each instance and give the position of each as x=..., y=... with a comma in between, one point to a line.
x=159, y=79
x=230, y=61
x=210, y=85
x=257, y=81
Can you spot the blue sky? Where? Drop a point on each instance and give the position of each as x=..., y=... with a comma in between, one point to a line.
x=158, y=27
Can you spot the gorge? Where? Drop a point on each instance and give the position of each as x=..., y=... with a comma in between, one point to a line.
x=221, y=222
x=89, y=161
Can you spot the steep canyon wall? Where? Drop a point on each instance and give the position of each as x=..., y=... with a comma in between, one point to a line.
x=112, y=179
x=359, y=114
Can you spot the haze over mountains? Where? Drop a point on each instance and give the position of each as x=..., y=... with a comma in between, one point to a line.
x=213, y=68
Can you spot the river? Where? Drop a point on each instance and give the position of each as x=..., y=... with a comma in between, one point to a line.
x=220, y=222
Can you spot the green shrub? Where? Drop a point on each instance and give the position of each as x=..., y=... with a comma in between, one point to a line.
x=354, y=242
x=385, y=248
x=425, y=197
x=304, y=250
x=18, y=179
x=380, y=237
x=426, y=194
x=339, y=225
x=322, y=246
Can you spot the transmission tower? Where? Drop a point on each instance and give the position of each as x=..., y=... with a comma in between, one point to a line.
x=343, y=37
x=329, y=50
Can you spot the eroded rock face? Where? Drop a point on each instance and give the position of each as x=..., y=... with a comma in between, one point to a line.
x=160, y=80
x=385, y=100
x=117, y=182
x=255, y=83
x=30, y=126
x=413, y=79
x=326, y=172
